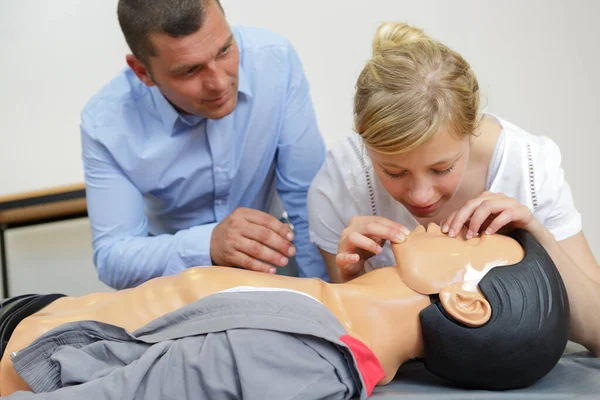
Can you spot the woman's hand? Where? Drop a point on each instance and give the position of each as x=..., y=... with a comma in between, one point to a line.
x=363, y=238
x=489, y=213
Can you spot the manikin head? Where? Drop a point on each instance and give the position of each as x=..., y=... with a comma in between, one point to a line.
x=187, y=49
x=499, y=313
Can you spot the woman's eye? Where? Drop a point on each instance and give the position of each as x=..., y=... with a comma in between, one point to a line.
x=445, y=171
x=393, y=176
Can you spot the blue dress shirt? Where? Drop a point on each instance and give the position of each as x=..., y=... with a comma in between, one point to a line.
x=159, y=182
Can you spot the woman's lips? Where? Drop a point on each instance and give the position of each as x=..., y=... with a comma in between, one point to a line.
x=423, y=210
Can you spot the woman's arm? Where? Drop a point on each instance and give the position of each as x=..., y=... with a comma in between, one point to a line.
x=332, y=268
x=581, y=274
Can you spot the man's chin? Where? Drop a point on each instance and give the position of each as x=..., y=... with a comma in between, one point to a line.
x=219, y=112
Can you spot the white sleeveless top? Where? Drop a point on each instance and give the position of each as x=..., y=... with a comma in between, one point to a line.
x=244, y=289
x=524, y=166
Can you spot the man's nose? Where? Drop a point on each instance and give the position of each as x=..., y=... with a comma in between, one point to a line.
x=216, y=79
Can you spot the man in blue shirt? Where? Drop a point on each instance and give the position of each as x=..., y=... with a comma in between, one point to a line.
x=191, y=150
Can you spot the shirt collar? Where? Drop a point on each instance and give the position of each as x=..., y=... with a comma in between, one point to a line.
x=165, y=110
x=170, y=116
x=243, y=84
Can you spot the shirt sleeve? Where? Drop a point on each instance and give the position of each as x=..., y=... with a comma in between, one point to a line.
x=300, y=154
x=330, y=205
x=124, y=254
x=556, y=208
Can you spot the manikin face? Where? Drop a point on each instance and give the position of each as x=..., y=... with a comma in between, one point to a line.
x=424, y=179
x=429, y=261
x=197, y=73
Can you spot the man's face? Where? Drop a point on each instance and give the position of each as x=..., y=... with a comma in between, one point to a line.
x=429, y=261
x=197, y=73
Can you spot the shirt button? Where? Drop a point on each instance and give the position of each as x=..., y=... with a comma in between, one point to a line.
x=219, y=201
x=218, y=170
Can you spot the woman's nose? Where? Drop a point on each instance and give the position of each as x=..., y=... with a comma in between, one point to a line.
x=421, y=194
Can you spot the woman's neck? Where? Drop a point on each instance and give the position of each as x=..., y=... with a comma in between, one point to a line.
x=381, y=311
x=484, y=145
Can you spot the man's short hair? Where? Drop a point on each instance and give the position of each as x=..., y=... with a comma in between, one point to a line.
x=525, y=336
x=141, y=18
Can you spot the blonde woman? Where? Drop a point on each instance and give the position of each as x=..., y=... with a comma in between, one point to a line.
x=424, y=153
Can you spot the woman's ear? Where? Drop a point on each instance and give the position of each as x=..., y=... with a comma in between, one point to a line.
x=469, y=308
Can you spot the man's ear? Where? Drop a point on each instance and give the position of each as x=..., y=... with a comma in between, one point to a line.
x=140, y=69
x=470, y=308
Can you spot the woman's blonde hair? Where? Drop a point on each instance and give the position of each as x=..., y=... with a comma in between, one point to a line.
x=412, y=88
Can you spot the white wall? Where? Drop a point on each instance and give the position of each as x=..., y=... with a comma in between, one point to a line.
x=55, y=55
x=536, y=61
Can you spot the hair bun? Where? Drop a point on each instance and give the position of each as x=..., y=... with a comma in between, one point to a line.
x=393, y=34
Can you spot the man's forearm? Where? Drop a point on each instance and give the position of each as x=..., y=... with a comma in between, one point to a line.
x=128, y=262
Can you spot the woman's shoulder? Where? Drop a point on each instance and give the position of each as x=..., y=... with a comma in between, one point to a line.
x=532, y=172
x=345, y=165
x=338, y=192
x=525, y=150
x=349, y=151
x=528, y=161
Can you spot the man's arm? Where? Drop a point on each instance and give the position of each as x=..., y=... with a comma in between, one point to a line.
x=300, y=154
x=124, y=255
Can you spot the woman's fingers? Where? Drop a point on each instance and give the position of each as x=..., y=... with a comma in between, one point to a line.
x=344, y=259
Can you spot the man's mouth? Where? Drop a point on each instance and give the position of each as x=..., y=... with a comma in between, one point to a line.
x=218, y=100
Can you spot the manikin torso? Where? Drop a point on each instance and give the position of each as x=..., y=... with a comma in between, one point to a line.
x=369, y=307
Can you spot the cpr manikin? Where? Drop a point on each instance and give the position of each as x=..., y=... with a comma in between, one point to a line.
x=389, y=310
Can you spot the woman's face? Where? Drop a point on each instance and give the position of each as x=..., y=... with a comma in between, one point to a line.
x=425, y=178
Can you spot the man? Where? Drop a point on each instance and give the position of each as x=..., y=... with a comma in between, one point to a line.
x=189, y=151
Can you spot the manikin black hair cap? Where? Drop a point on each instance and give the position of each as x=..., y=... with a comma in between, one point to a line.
x=525, y=336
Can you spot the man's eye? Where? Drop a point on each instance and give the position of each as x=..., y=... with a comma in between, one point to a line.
x=190, y=71
x=225, y=50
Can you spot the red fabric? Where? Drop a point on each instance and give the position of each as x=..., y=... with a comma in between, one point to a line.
x=367, y=362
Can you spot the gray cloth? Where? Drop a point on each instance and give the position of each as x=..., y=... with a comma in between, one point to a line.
x=576, y=376
x=256, y=345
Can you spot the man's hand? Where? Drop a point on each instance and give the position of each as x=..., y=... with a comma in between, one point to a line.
x=250, y=239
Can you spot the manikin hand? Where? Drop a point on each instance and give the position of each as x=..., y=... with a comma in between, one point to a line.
x=489, y=213
x=250, y=239
x=363, y=238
